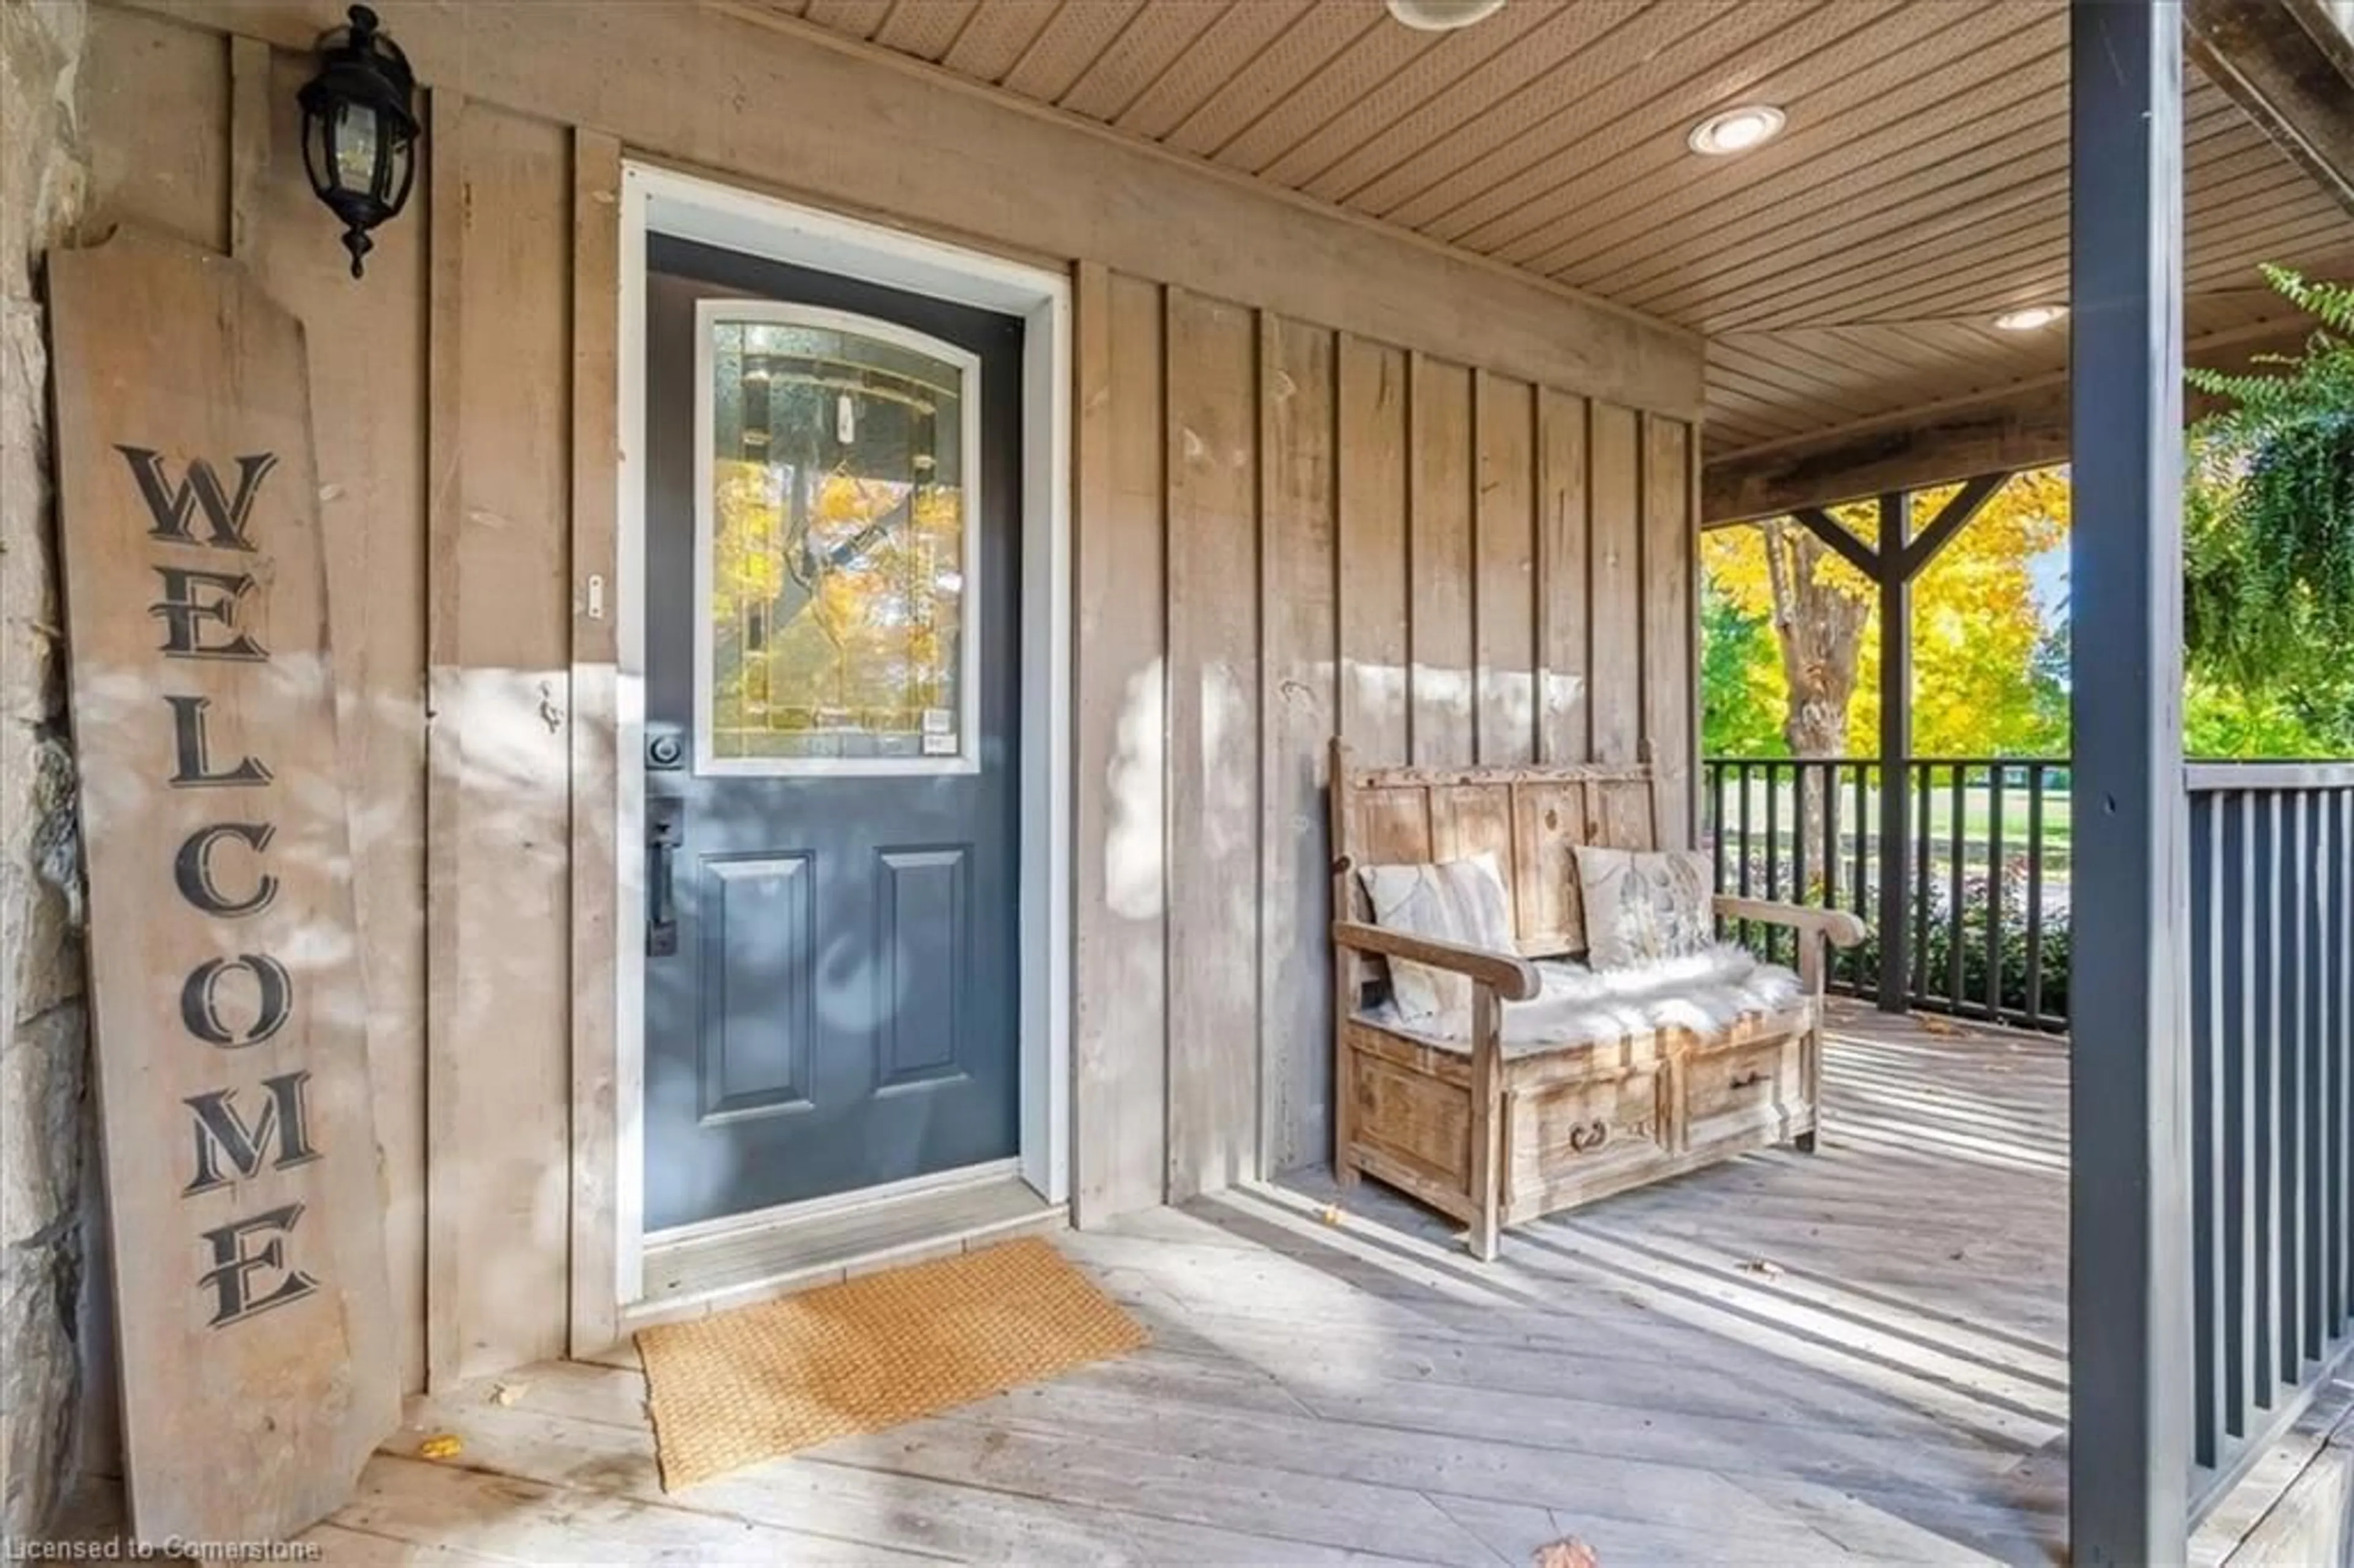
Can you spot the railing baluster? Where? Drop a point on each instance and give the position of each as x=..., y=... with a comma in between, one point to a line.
x=2332, y=1218
x=1830, y=798
x=2034, y=894
x=1800, y=846
x=1743, y=935
x=1994, y=891
x=2239, y=1295
x=2265, y=880
x=1716, y=829
x=1957, y=942
x=1864, y=895
x=1921, y=834
x=1773, y=851
x=2281, y=1040
x=2207, y=1144
x=2312, y=1200
x=2342, y=1102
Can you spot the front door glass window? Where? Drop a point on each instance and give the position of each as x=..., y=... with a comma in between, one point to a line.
x=835, y=544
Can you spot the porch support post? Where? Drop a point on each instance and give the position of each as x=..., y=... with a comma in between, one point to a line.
x=1891, y=565
x=1894, y=579
x=2129, y=1351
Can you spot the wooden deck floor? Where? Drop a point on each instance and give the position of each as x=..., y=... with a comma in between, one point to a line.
x=1859, y=1354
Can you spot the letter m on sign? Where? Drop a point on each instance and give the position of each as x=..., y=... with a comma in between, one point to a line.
x=221, y=1133
x=175, y=507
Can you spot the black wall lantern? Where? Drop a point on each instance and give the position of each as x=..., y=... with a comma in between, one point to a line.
x=359, y=132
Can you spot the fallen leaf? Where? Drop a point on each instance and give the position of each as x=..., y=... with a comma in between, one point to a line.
x=1331, y=1214
x=508, y=1392
x=441, y=1445
x=1939, y=1027
x=1764, y=1268
x=1567, y=1553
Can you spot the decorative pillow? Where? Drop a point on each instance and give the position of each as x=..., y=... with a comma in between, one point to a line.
x=1452, y=901
x=1644, y=906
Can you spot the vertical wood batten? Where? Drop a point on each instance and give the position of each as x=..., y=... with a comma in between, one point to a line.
x=2129, y=1333
x=1375, y=696
x=1298, y=709
x=1614, y=596
x=1439, y=574
x=1562, y=617
x=1120, y=914
x=499, y=1078
x=446, y=1189
x=1213, y=735
x=1667, y=609
x=367, y=398
x=593, y=1322
x=248, y=142
x=1504, y=538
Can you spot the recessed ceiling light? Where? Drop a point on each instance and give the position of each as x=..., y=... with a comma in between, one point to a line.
x=1735, y=129
x=2029, y=318
x=1443, y=15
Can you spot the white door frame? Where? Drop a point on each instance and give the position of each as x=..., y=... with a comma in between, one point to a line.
x=655, y=200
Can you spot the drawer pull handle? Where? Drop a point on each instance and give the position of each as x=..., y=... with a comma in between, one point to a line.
x=1591, y=1136
x=1749, y=1080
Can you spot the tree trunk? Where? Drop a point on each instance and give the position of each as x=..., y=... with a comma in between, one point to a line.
x=1819, y=622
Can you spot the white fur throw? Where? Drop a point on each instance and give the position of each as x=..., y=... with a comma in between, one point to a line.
x=1703, y=991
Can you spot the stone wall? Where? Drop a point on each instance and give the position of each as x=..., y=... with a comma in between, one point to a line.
x=45, y=1122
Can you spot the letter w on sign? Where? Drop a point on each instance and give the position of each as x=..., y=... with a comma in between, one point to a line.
x=257, y=1365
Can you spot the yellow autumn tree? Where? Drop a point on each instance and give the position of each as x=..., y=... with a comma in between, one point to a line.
x=857, y=613
x=1974, y=625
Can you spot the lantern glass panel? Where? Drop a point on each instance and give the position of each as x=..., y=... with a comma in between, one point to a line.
x=399, y=149
x=354, y=138
x=318, y=161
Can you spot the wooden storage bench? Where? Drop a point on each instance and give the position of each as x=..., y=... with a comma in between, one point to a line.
x=1495, y=1134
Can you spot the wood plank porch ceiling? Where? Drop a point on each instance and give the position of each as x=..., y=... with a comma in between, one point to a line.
x=1847, y=270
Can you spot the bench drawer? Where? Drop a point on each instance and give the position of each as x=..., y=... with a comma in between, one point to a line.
x=1755, y=1094
x=1567, y=1132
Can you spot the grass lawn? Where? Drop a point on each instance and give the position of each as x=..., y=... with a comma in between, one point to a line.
x=1979, y=815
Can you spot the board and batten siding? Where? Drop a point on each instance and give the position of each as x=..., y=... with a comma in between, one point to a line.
x=1288, y=531
x=1407, y=521
x=440, y=392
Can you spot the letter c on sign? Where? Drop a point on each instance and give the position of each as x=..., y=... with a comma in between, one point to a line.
x=200, y=999
x=193, y=870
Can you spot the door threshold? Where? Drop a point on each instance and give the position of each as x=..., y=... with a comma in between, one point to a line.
x=693, y=1272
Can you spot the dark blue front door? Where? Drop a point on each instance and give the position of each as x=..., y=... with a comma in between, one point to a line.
x=831, y=746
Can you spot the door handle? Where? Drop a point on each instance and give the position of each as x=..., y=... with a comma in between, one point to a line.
x=665, y=831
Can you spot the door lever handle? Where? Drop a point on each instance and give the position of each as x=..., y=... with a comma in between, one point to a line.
x=665, y=831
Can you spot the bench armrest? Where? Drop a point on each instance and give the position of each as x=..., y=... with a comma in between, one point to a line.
x=1840, y=927
x=1512, y=977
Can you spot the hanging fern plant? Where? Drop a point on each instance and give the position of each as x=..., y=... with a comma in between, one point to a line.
x=2269, y=523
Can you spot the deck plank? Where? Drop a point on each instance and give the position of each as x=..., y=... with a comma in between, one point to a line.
x=1856, y=1355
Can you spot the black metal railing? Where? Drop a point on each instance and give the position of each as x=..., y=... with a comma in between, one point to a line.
x=1983, y=883
x=1983, y=877
x=2271, y=977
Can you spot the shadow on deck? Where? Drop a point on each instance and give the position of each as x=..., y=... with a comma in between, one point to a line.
x=1859, y=1354
x=1788, y=1358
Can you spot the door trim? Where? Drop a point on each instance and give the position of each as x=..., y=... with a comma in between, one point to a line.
x=803, y=1210
x=655, y=200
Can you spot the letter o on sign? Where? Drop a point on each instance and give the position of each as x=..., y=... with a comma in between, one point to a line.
x=200, y=1000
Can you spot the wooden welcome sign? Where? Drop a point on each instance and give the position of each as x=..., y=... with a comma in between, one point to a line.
x=256, y=1370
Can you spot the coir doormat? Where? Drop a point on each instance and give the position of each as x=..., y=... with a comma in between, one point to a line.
x=760, y=1381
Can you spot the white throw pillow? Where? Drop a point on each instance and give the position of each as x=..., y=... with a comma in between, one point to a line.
x=1642, y=905
x=1451, y=901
